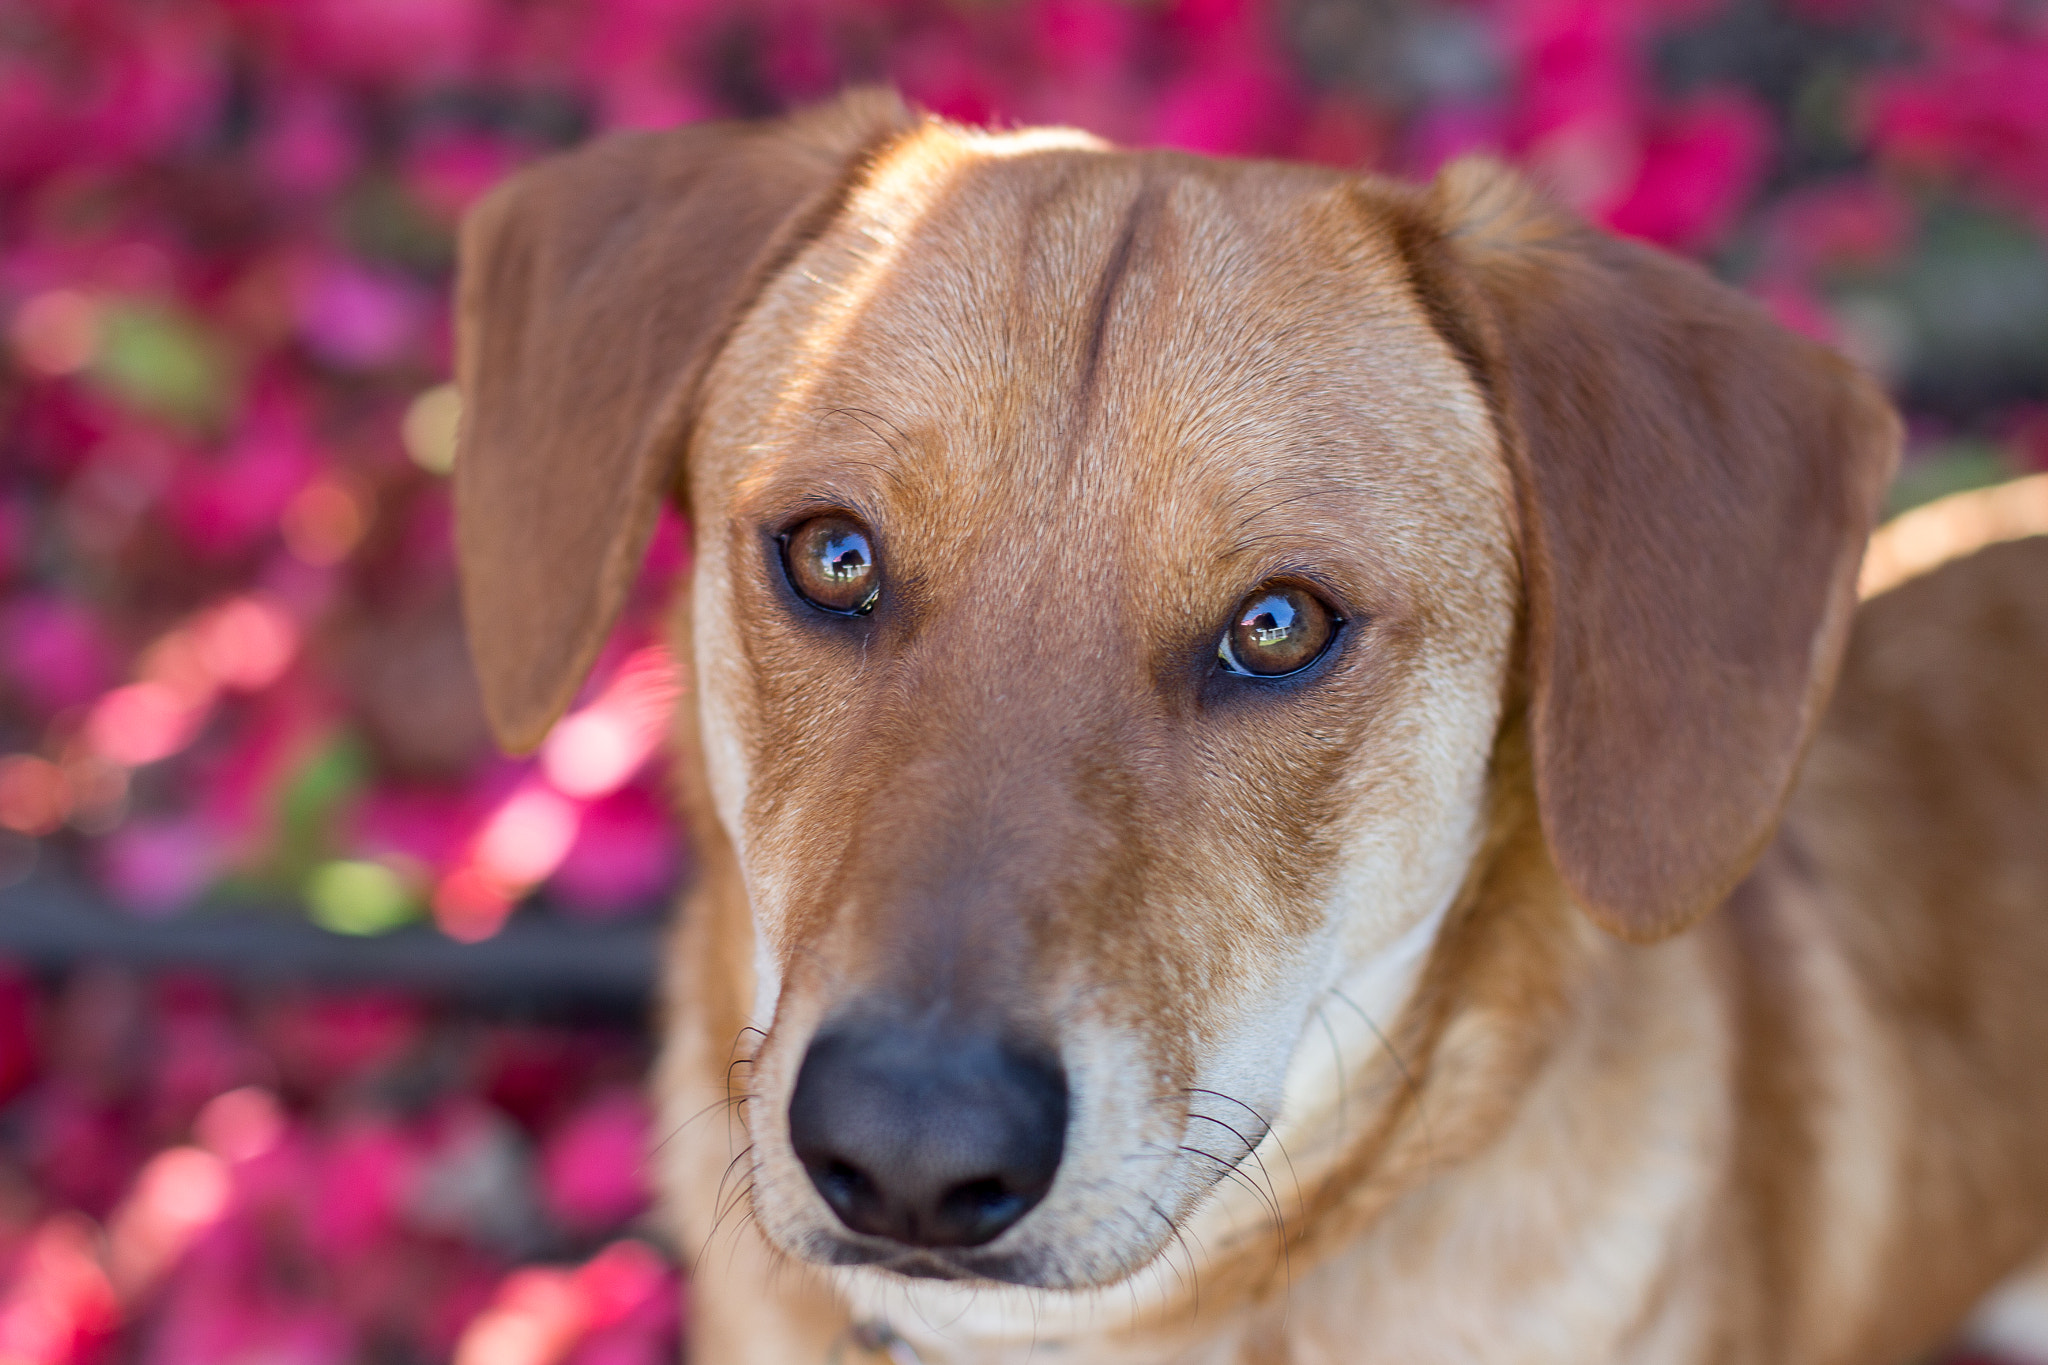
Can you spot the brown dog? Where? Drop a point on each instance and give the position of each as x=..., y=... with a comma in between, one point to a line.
x=1217, y=688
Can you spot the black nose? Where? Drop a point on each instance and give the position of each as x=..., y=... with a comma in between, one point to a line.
x=925, y=1136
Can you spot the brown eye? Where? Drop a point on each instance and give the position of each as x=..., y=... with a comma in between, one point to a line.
x=1279, y=629
x=831, y=564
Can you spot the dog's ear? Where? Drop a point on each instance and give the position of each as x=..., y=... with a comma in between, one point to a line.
x=593, y=291
x=1695, y=487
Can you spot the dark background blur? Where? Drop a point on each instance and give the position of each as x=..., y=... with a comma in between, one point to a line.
x=255, y=848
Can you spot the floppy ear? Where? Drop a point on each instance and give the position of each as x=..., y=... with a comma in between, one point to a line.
x=593, y=291
x=1696, y=485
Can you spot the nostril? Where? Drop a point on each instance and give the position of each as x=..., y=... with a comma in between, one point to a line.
x=851, y=1193
x=844, y=1185
x=976, y=1210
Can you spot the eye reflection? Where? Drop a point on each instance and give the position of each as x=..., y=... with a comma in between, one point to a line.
x=831, y=564
x=1277, y=630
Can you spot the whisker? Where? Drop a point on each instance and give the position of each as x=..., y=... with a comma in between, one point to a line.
x=1343, y=1072
x=1408, y=1080
x=677, y=1131
x=1231, y=1172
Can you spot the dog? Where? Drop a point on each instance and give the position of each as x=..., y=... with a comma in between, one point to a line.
x=1285, y=767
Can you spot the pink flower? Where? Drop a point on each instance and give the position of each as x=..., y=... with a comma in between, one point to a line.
x=1444, y=132
x=228, y=504
x=53, y=650
x=240, y=776
x=625, y=855
x=1218, y=27
x=534, y=1074
x=427, y=825
x=225, y=1303
x=153, y=89
x=14, y=536
x=81, y=1149
x=541, y=1314
x=366, y=1174
x=526, y=838
x=1579, y=64
x=357, y=317
x=597, y=749
x=1346, y=133
x=668, y=554
x=593, y=1166
x=60, y=1307
x=1084, y=39
x=403, y=41
x=1858, y=223
x=198, y=1051
x=156, y=866
x=33, y=124
x=1237, y=105
x=448, y=173
x=936, y=69
x=623, y=32
x=178, y=1196
x=318, y=1041
x=1700, y=166
x=1973, y=108
x=307, y=145
x=2027, y=434
x=651, y=96
x=19, y=1060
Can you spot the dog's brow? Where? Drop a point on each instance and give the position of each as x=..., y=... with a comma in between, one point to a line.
x=868, y=419
x=1242, y=542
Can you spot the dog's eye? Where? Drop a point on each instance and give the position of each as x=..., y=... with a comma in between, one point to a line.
x=831, y=564
x=1279, y=629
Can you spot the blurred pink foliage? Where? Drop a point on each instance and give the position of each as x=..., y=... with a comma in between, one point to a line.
x=1973, y=108
x=204, y=1177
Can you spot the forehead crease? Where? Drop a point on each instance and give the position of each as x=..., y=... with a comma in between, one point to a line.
x=967, y=379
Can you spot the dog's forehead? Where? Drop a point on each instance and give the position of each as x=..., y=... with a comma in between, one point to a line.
x=1150, y=345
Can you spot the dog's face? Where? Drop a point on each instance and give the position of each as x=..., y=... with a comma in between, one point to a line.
x=1027, y=785
x=1113, y=575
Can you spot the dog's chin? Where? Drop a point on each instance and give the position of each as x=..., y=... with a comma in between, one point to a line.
x=960, y=1265
x=1031, y=1267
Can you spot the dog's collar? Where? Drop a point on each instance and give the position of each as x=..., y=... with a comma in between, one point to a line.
x=871, y=1339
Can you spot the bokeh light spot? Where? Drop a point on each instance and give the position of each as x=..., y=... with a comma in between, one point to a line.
x=56, y=333
x=591, y=753
x=35, y=795
x=179, y=1194
x=470, y=905
x=324, y=522
x=357, y=896
x=246, y=643
x=527, y=837
x=595, y=751
x=240, y=1125
x=429, y=428
x=141, y=723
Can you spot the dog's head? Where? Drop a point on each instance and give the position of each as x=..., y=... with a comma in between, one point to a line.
x=1114, y=575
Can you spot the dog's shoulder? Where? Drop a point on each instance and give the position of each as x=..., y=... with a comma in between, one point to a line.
x=1920, y=803
x=1951, y=668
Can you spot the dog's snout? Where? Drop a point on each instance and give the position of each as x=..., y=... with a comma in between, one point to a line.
x=925, y=1136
